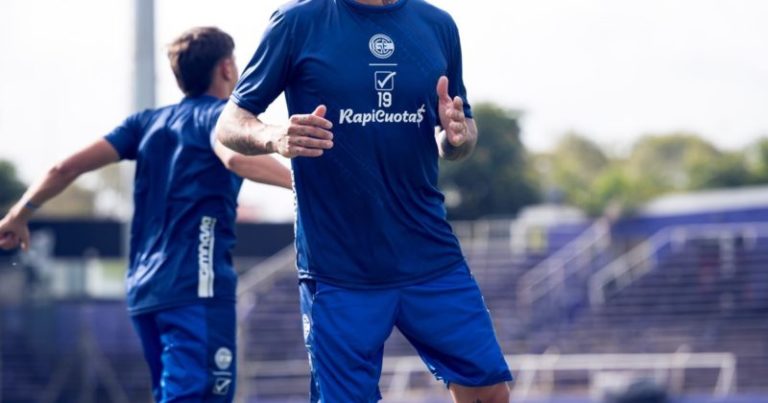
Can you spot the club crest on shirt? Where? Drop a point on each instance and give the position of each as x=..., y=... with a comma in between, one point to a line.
x=381, y=46
x=223, y=358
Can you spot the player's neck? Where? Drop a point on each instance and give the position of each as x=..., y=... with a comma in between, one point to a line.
x=377, y=2
x=219, y=90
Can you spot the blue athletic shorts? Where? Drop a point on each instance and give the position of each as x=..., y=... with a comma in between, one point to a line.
x=445, y=319
x=191, y=352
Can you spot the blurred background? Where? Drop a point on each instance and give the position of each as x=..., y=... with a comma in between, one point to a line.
x=615, y=212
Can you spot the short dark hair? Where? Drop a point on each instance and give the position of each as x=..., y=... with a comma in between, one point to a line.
x=194, y=55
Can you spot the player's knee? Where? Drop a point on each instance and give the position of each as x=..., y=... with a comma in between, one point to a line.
x=498, y=393
x=501, y=393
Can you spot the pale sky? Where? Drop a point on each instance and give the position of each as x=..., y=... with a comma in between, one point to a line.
x=611, y=69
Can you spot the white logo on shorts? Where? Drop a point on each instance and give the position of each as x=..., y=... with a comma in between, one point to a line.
x=381, y=46
x=223, y=358
x=221, y=386
x=306, y=325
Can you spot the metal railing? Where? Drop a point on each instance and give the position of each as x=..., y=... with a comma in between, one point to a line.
x=536, y=375
x=666, y=368
x=258, y=278
x=550, y=276
x=88, y=366
x=261, y=276
x=480, y=235
x=633, y=265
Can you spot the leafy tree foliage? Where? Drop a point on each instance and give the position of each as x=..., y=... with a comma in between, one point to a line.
x=495, y=179
x=11, y=187
x=572, y=169
x=757, y=161
x=655, y=165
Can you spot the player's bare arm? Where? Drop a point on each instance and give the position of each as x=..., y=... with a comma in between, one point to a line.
x=14, y=231
x=257, y=168
x=458, y=136
x=305, y=135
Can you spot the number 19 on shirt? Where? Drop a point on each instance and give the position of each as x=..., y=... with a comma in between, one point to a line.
x=385, y=99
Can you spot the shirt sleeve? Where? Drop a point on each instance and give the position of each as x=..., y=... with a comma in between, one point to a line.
x=210, y=127
x=266, y=75
x=126, y=138
x=455, y=71
x=212, y=139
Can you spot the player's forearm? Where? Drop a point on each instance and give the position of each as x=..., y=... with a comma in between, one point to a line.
x=454, y=153
x=58, y=178
x=61, y=175
x=263, y=169
x=241, y=131
x=257, y=168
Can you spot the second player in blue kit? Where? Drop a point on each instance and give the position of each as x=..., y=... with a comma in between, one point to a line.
x=367, y=83
x=180, y=279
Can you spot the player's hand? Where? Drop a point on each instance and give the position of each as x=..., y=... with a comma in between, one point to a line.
x=451, y=113
x=14, y=233
x=305, y=135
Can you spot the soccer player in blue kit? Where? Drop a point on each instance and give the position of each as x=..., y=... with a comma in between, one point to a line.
x=180, y=281
x=367, y=83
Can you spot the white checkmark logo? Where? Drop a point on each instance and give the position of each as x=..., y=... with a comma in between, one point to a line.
x=383, y=83
x=222, y=385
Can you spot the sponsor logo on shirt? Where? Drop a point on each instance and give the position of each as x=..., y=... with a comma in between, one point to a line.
x=205, y=258
x=381, y=46
x=349, y=116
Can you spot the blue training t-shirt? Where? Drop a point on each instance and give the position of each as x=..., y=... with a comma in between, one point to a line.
x=185, y=204
x=369, y=213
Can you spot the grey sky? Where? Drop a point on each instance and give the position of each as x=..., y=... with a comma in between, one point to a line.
x=611, y=69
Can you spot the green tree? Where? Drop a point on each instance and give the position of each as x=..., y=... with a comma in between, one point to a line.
x=586, y=177
x=726, y=170
x=667, y=161
x=11, y=188
x=573, y=168
x=757, y=161
x=684, y=161
x=495, y=179
x=615, y=187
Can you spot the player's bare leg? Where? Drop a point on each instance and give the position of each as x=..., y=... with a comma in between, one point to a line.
x=498, y=393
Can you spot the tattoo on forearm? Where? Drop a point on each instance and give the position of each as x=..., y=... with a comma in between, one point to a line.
x=242, y=144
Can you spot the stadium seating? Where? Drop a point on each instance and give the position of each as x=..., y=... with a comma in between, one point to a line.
x=70, y=351
x=702, y=296
x=696, y=299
